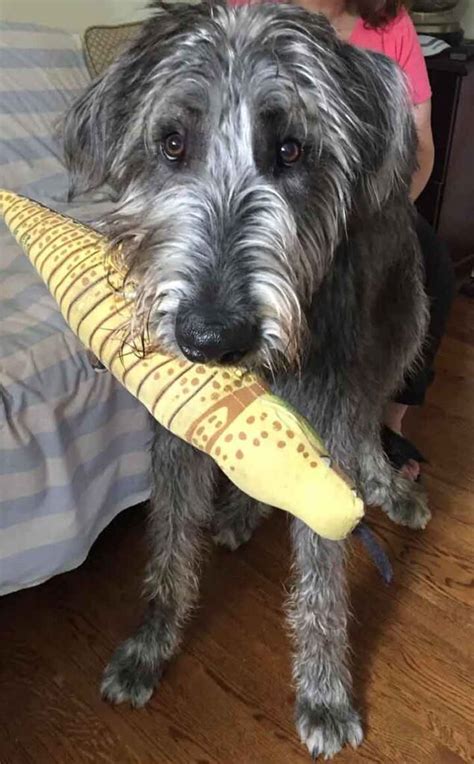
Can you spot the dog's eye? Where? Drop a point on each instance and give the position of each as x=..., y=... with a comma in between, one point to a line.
x=289, y=151
x=173, y=147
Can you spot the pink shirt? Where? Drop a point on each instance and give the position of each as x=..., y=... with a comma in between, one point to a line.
x=398, y=40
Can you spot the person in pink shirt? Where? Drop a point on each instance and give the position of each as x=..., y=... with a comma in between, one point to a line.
x=384, y=26
x=387, y=28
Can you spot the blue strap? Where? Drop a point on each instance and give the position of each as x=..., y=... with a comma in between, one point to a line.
x=375, y=551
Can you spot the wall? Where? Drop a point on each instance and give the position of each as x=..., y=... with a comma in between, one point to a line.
x=73, y=14
x=466, y=16
x=78, y=14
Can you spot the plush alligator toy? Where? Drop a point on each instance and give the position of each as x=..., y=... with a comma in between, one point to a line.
x=263, y=446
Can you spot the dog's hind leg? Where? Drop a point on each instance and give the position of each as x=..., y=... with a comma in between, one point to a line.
x=403, y=500
x=325, y=718
x=236, y=516
x=180, y=508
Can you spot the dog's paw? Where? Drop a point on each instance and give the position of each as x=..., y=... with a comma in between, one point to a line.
x=409, y=505
x=233, y=532
x=325, y=731
x=232, y=538
x=126, y=679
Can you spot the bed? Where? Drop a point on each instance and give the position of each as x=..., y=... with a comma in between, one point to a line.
x=74, y=445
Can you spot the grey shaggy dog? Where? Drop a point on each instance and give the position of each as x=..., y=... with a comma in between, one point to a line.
x=261, y=168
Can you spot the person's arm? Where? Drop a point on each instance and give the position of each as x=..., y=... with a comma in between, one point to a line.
x=425, y=153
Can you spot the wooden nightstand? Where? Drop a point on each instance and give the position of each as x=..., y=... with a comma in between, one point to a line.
x=448, y=200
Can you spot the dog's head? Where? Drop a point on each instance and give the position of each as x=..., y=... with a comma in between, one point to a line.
x=241, y=145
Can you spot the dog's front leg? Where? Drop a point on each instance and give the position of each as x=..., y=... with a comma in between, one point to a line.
x=325, y=718
x=180, y=507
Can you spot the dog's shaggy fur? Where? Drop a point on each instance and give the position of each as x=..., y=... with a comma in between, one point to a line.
x=273, y=228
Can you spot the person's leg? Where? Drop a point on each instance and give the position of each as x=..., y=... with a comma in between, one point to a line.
x=440, y=287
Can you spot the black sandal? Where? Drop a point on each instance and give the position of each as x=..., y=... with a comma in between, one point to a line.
x=399, y=450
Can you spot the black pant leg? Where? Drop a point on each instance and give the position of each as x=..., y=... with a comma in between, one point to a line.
x=441, y=288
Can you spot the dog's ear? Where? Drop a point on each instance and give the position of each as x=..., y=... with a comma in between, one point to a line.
x=94, y=127
x=88, y=136
x=382, y=123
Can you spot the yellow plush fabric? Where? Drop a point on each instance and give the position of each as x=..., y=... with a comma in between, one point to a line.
x=262, y=445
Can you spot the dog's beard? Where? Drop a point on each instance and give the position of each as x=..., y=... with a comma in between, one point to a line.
x=177, y=245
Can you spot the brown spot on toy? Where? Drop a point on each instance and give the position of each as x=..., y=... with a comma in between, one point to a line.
x=305, y=454
x=85, y=281
x=281, y=444
x=256, y=442
x=214, y=396
x=200, y=370
x=277, y=425
x=195, y=381
x=226, y=375
x=313, y=464
x=212, y=418
x=264, y=434
x=199, y=430
x=242, y=436
x=239, y=454
x=300, y=448
x=263, y=416
x=228, y=438
x=290, y=434
x=251, y=420
x=218, y=451
x=216, y=385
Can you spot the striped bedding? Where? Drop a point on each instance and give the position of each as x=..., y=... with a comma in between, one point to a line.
x=73, y=443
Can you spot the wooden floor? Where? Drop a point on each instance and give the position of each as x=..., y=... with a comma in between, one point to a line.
x=228, y=696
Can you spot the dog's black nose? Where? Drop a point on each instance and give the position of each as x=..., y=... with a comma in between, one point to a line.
x=203, y=336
